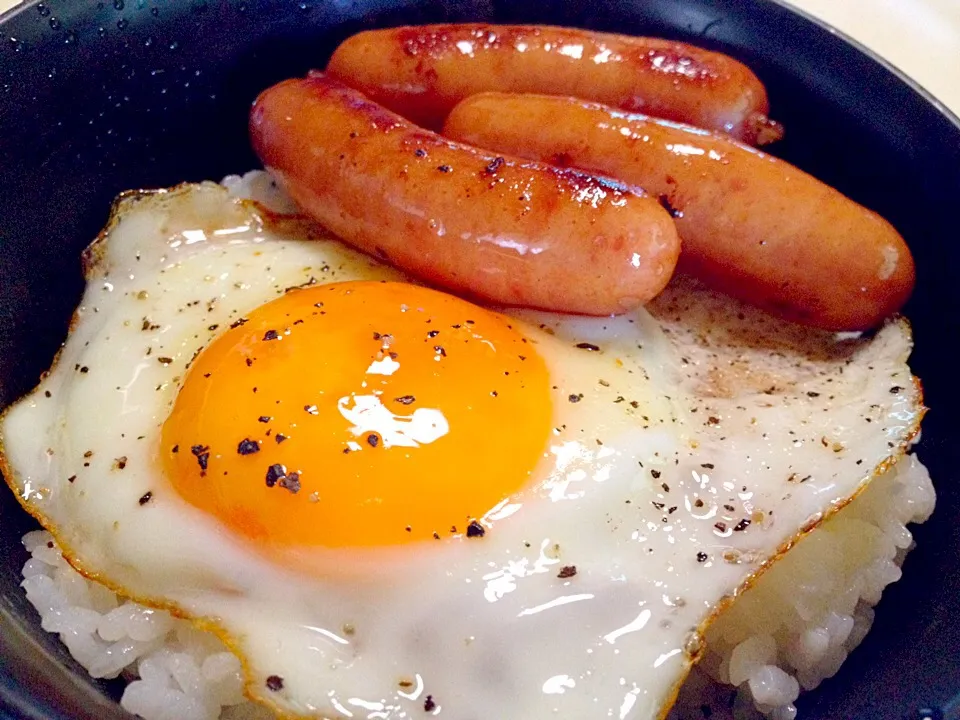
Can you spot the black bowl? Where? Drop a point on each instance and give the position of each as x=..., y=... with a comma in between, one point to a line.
x=99, y=97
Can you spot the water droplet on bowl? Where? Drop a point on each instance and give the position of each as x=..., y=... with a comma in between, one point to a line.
x=155, y=12
x=174, y=45
x=43, y=10
x=122, y=23
x=148, y=41
x=118, y=4
x=54, y=23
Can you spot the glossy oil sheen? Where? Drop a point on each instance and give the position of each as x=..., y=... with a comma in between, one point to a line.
x=152, y=94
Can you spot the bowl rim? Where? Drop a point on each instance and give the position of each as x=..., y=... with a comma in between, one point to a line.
x=953, y=117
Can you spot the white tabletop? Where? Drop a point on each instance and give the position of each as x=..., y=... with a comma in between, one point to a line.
x=921, y=37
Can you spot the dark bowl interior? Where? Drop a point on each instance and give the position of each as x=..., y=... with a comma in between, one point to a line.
x=98, y=97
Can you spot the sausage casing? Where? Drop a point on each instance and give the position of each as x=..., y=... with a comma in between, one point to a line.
x=505, y=230
x=422, y=71
x=753, y=226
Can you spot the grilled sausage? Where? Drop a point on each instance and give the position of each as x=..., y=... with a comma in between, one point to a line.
x=753, y=226
x=506, y=230
x=421, y=72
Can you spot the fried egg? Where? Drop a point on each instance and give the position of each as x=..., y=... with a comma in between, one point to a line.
x=389, y=501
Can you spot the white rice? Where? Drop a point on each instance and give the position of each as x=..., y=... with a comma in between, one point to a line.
x=791, y=630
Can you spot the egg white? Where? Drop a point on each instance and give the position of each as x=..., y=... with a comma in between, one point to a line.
x=692, y=442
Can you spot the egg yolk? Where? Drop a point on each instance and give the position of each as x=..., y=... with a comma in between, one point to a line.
x=359, y=414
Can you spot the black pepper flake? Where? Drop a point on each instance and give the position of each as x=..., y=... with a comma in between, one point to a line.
x=248, y=447
x=813, y=394
x=312, y=409
x=202, y=453
x=145, y=498
x=175, y=449
x=666, y=488
x=698, y=503
x=420, y=152
x=405, y=399
x=373, y=439
x=634, y=404
x=722, y=527
x=47, y=393
x=279, y=437
x=494, y=165
x=71, y=479
x=475, y=529
x=248, y=361
x=895, y=389
x=713, y=420
x=588, y=346
x=439, y=350
x=291, y=482
x=658, y=505
x=120, y=463
x=702, y=556
x=211, y=328
x=271, y=335
x=567, y=571
x=575, y=398
x=433, y=333
x=238, y=323
x=275, y=683
x=274, y=473
x=164, y=360
x=708, y=466
x=84, y=370
x=444, y=168
x=742, y=525
x=429, y=705
x=264, y=419
x=656, y=474
x=436, y=535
